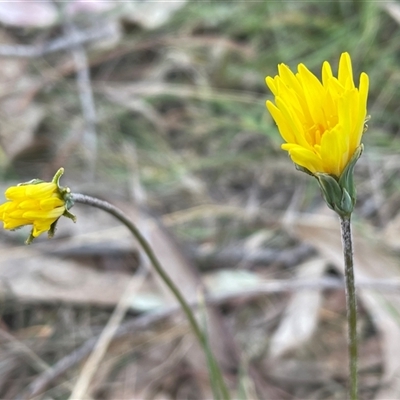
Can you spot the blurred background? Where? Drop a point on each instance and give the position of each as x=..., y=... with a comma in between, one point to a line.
x=159, y=108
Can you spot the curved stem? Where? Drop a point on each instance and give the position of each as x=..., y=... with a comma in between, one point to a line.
x=351, y=303
x=118, y=214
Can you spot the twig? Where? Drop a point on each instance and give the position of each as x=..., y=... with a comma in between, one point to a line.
x=85, y=94
x=233, y=255
x=377, y=182
x=65, y=42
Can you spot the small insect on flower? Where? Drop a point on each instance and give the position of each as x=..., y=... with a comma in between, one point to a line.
x=36, y=203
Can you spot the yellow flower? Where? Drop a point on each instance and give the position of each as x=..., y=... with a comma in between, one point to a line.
x=36, y=203
x=321, y=122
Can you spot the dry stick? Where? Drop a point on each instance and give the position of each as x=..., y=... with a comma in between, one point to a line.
x=65, y=42
x=85, y=95
x=104, y=340
x=351, y=301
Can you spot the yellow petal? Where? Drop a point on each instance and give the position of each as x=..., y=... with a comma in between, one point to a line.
x=313, y=92
x=293, y=123
x=3, y=208
x=29, y=204
x=37, y=214
x=16, y=223
x=362, y=102
x=17, y=214
x=40, y=227
x=41, y=190
x=303, y=157
x=332, y=148
x=289, y=78
x=284, y=127
x=49, y=204
x=271, y=84
x=15, y=193
x=345, y=74
x=326, y=73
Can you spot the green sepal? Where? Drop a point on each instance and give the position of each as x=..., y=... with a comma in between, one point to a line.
x=69, y=215
x=30, y=238
x=302, y=169
x=336, y=196
x=31, y=182
x=69, y=202
x=57, y=176
x=331, y=191
x=52, y=230
x=340, y=193
x=346, y=179
x=347, y=204
x=66, y=195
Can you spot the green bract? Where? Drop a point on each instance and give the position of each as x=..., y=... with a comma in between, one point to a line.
x=340, y=193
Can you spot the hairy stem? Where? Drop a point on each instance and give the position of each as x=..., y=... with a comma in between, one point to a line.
x=351, y=303
x=118, y=214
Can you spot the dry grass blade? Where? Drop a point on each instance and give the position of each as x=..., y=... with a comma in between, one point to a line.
x=301, y=315
x=148, y=89
x=92, y=364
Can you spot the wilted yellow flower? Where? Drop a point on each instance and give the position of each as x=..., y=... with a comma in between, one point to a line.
x=321, y=122
x=35, y=203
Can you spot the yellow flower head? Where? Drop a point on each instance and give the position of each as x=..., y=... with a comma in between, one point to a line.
x=35, y=203
x=321, y=122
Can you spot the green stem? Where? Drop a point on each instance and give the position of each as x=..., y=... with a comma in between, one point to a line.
x=118, y=214
x=351, y=303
